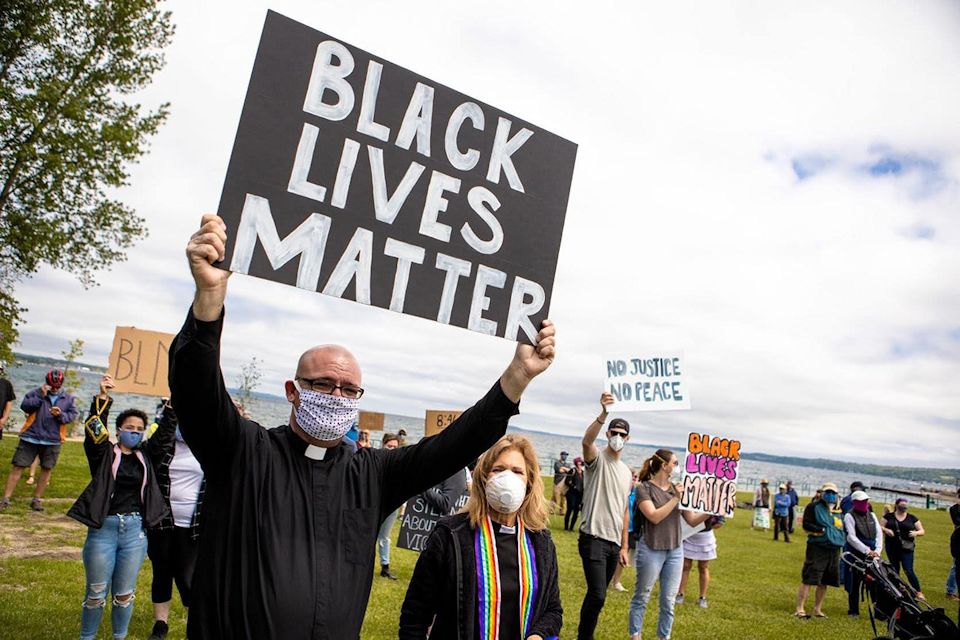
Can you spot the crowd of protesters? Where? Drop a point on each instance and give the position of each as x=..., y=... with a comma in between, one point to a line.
x=145, y=499
x=270, y=533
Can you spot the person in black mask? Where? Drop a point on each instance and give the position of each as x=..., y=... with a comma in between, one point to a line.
x=285, y=543
x=902, y=530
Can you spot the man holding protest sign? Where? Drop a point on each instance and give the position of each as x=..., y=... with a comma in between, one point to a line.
x=294, y=513
x=603, y=533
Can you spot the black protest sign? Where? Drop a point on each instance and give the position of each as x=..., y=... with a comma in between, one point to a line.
x=419, y=519
x=359, y=179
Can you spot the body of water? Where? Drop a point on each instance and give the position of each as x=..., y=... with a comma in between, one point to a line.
x=271, y=411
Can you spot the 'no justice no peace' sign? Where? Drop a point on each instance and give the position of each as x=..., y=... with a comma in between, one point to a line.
x=360, y=179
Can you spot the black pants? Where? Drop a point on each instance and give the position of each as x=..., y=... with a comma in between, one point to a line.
x=780, y=525
x=173, y=553
x=574, y=502
x=600, y=558
x=853, y=582
x=790, y=515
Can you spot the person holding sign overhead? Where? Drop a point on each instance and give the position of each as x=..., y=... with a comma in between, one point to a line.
x=603, y=532
x=120, y=502
x=285, y=544
x=490, y=571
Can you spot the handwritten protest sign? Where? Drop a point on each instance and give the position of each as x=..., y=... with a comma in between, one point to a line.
x=359, y=179
x=419, y=519
x=710, y=475
x=647, y=382
x=436, y=421
x=371, y=421
x=138, y=361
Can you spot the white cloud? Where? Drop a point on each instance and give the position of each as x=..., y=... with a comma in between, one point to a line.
x=687, y=225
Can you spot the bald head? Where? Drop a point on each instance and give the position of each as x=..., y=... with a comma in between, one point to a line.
x=330, y=362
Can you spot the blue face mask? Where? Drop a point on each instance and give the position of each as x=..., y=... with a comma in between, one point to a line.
x=829, y=497
x=130, y=439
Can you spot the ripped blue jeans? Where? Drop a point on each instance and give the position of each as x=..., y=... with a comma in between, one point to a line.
x=112, y=557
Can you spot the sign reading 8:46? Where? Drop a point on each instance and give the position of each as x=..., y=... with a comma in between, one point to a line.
x=436, y=421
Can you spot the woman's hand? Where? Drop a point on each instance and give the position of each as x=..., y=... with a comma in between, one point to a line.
x=106, y=384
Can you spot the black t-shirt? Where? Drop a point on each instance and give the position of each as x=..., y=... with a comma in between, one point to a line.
x=901, y=539
x=126, y=487
x=6, y=393
x=507, y=558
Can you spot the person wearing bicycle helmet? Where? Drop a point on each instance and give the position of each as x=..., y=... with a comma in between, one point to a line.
x=49, y=410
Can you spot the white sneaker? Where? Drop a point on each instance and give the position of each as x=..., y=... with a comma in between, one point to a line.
x=702, y=603
x=618, y=587
x=679, y=599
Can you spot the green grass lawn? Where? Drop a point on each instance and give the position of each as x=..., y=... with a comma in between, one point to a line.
x=751, y=596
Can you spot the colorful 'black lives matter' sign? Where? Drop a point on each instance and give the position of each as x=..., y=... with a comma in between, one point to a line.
x=359, y=179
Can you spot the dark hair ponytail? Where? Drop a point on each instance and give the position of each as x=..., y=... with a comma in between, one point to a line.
x=654, y=463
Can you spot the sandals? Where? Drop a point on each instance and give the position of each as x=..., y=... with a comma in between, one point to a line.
x=820, y=615
x=801, y=615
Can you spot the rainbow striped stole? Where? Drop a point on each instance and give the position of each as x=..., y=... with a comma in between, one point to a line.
x=488, y=579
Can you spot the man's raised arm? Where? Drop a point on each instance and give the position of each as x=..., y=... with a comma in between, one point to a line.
x=593, y=430
x=411, y=470
x=207, y=417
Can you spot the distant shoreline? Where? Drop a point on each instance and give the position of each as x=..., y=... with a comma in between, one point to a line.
x=941, y=475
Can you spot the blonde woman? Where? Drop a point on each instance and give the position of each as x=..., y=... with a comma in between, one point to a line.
x=490, y=571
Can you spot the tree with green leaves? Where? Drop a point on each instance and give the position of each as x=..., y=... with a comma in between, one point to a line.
x=71, y=372
x=247, y=383
x=68, y=133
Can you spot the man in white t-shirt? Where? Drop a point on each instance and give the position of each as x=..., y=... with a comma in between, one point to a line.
x=603, y=532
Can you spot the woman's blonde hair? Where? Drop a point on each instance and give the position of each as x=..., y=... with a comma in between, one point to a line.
x=533, y=510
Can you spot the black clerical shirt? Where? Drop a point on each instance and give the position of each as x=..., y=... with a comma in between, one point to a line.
x=286, y=541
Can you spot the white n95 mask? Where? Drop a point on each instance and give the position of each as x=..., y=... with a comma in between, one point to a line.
x=616, y=443
x=505, y=492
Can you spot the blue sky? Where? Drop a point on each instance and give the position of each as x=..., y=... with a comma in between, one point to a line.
x=781, y=207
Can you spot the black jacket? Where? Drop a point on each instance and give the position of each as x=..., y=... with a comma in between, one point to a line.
x=92, y=505
x=444, y=585
x=444, y=496
x=161, y=457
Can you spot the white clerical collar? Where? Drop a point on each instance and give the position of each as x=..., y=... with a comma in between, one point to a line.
x=508, y=530
x=314, y=452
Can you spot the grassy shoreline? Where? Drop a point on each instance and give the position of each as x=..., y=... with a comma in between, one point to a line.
x=751, y=596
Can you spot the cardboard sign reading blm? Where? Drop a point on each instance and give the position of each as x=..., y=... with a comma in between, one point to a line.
x=436, y=421
x=419, y=519
x=138, y=361
x=359, y=179
x=710, y=475
x=647, y=383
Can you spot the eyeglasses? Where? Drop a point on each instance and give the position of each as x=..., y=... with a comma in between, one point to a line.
x=619, y=433
x=325, y=386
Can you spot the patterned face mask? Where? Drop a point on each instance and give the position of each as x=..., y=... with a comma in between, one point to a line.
x=324, y=416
